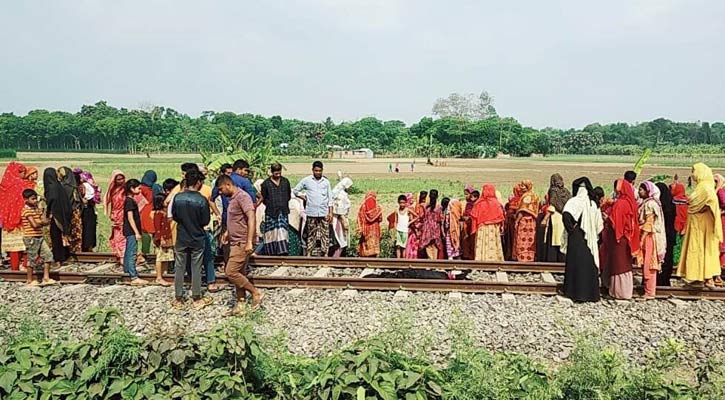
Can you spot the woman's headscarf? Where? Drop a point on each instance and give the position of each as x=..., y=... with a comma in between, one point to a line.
x=113, y=190
x=31, y=183
x=653, y=203
x=370, y=213
x=719, y=182
x=623, y=215
x=11, y=187
x=514, y=200
x=704, y=198
x=668, y=206
x=488, y=209
x=340, y=200
x=529, y=201
x=70, y=186
x=296, y=213
x=57, y=200
x=87, y=177
x=584, y=210
x=149, y=180
x=558, y=193
x=455, y=208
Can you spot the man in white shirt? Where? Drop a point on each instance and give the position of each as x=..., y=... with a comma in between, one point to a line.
x=316, y=191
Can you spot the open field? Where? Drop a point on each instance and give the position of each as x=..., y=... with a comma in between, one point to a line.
x=373, y=174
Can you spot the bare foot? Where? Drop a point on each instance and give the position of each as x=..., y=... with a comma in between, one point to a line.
x=49, y=281
x=33, y=283
x=163, y=282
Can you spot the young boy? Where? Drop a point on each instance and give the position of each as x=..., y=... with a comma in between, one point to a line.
x=33, y=222
x=400, y=221
x=162, y=238
x=132, y=230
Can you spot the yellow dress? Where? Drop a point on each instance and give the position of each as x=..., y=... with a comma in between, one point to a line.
x=700, y=258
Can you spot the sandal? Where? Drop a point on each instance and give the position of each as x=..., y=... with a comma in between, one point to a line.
x=34, y=283
x=237, y=310
x=201, y=303
x=138, y=282
x=256, y=302
x=177, y=304
x=49, y=282
x=163, y=282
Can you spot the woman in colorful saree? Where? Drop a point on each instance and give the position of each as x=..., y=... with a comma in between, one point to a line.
x=113, y=205
x=368, y=224
x=487, y=218
x=524, y=243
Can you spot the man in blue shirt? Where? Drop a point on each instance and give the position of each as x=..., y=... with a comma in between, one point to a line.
x=316, y=191
x=239, y=175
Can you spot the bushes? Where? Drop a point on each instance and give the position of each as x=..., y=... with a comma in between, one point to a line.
x=7, y=153
x=231, y=362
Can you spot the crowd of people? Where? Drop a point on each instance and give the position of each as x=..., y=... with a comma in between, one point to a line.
x=600, y=237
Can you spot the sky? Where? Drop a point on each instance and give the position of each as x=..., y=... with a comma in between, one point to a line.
x=552, y=63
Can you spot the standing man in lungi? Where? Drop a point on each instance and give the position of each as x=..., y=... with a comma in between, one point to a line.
x=275, y=194
x=316, y=191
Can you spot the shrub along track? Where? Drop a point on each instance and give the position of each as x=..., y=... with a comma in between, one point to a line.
x=360, y=283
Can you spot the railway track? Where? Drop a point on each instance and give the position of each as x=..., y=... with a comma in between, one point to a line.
x=376, y=263
x=280, y=279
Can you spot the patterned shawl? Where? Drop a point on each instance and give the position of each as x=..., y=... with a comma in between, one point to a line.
x=11, y=187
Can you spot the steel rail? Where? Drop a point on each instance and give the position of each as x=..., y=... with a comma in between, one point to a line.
x=372, y=263
x=429, y=285
x=376, y=263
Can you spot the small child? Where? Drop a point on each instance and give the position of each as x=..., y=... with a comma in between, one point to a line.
x=400, y=221
x=162, y=238
x=37, y=249
x=132, y=231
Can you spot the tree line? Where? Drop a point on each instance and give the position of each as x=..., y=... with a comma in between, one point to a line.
x=101, y=127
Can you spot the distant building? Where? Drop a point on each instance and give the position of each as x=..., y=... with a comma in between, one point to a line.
x=359, y=153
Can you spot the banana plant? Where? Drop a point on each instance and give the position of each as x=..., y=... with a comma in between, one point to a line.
x=257, y=151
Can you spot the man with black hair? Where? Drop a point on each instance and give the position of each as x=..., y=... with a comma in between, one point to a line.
x=240, y=238
x=630, y=176
x=316, y=191
x=275, y=194
x=190, y=210
x=226, y=169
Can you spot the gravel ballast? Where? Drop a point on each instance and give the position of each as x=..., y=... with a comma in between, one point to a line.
x=319, y=320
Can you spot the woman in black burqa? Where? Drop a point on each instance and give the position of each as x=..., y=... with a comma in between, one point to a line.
x=59, y=212
x=669, y=213
x=582, y=226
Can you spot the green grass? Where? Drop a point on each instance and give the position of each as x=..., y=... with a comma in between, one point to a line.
x=667, y=160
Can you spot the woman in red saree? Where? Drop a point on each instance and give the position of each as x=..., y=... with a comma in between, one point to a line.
x=368, y=224
x=620, y=242
x=525, y=226
x=113, y=206
x=487, y=217
x=412, y=248
x=12, y=185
